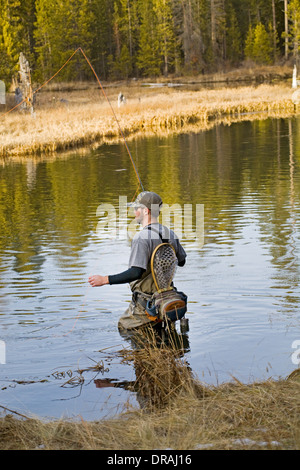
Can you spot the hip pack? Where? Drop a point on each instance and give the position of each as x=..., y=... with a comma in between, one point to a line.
x=168, y=305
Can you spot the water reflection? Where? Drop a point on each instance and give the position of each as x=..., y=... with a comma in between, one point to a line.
x=154, y=354
x=242, y=284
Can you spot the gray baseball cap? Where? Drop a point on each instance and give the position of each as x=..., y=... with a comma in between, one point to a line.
x=148, y=199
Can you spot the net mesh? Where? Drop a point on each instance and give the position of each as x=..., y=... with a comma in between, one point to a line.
x=164, y=266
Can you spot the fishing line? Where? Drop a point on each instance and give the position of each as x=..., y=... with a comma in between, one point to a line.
x=106, y=97
x=119, y=127
x=117, y=121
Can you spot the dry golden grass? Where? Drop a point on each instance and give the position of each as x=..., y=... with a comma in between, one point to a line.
x=86, y=118
x=179, y=413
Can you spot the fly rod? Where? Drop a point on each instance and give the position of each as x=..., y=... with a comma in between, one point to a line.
x=106, y=97
x=117, y=121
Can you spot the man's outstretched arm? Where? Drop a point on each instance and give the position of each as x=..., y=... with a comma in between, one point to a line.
x=130, y=275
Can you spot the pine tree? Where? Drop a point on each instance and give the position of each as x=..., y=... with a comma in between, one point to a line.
x=102, y=35
x=44, y=37
x=294, y=31
x=202, y=36
x=15, y=33
x=85, y=20
x=73, y=18
x=258, y=45
x=233, y=36
x=192, y=33
x=125, y=27
x=165, y=33
x=218, y=36
x=148, y=57
x=124, y=38
x=249, y=43
x=186, y=30
x=4, y=58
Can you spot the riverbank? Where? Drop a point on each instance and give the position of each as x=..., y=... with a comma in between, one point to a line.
x=232, y=416
x=67, y=117
x=179, y=413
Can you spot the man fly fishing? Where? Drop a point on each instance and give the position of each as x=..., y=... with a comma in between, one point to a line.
x=155, y=253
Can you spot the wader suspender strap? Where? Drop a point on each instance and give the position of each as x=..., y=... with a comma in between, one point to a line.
x=164, y=240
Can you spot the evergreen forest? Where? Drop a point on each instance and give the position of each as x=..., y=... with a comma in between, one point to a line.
x=145, y=38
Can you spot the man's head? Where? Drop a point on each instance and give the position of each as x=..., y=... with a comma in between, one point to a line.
x=149, y=203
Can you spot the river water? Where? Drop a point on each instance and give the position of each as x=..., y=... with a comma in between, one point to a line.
x=242, y=278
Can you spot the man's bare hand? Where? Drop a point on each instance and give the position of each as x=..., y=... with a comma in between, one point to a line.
x=97, y=281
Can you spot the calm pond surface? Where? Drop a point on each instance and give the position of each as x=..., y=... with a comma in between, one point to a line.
x=242, y=284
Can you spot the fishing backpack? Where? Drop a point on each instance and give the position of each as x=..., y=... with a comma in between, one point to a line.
x=167, y=304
